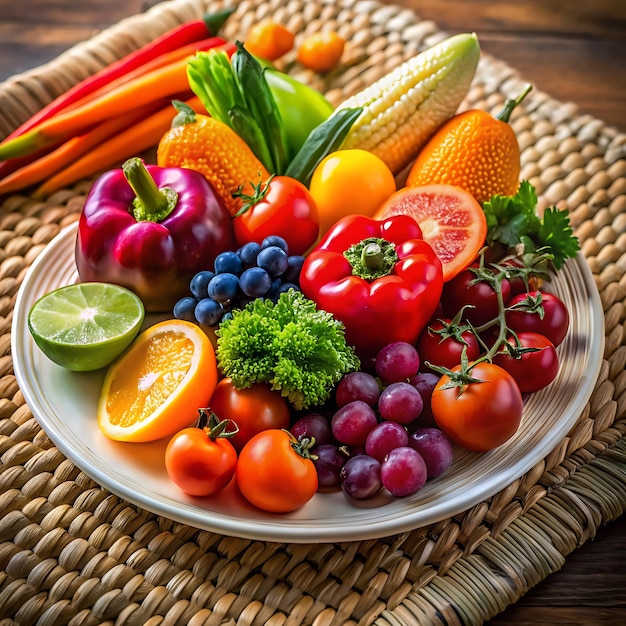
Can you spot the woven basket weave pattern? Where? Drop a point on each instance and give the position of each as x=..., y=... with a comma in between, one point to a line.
x=72, y=553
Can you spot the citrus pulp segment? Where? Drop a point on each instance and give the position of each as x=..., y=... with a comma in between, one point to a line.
x=157, y=386
x=85, y=326
x=452, y=222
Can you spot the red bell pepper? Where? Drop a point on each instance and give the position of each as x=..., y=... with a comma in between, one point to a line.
x=151, y=229
x=380, y=278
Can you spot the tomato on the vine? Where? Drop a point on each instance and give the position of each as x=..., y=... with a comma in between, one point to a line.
x=481, y=415
x=542, y=313
x=201, y=461
x=253, y=409
x=275, y=472
x=279, y=206
x=531, y=370
x=442, y=342
x=479, y=296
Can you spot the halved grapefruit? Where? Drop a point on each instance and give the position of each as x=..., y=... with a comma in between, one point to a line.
x=452, y=222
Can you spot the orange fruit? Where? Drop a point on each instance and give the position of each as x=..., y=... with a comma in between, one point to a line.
x=347, y=182
x=156, y=387
x=475, y=151
x=451, y=219
x=321, y=51
x=269, y=39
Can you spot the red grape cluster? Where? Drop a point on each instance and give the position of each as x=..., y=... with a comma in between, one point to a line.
x=381, y=434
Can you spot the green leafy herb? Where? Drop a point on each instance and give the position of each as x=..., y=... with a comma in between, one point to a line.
x=513, y=220
x=294, y=347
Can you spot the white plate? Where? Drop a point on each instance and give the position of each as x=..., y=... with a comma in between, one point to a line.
x=64, y=403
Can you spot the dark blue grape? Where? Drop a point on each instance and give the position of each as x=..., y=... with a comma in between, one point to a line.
x=255, y=282
x=275, y=240
x=200, y=283
x=294, y=267
x=273, y=260
x=248, y=252
x=223, y=287
x=184, y=309
x=208, y=312
x=274, y=290
x=228, y=263
x=287, y=286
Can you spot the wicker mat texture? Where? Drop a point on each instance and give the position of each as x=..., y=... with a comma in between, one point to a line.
x=72, y=553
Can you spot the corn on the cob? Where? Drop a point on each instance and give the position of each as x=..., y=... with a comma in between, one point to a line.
x=405, y=107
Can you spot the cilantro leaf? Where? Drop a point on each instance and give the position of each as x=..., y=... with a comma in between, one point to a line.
x=513, y=220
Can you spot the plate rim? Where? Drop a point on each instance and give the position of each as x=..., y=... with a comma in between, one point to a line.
x=271, y=529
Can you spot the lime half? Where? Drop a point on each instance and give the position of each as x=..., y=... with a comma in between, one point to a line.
x=85, y=326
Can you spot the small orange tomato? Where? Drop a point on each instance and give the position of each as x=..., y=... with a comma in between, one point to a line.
x=275, y=472
x=269, y=40
x=349, y=182
x=322, y=51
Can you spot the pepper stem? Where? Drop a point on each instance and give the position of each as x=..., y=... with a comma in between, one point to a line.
x=372, y=258
x=510, y=104
x=151, y=204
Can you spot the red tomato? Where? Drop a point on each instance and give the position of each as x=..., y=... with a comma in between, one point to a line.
x=479, y=295
x=198, y=464
x=282, y=206
x=274, y=472
x=253, y=409
x=483, y=415
x=532, y=370
x=445, y=348
x=548, y=315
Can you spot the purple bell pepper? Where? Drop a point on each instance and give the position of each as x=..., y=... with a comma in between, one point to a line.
x=150, y=229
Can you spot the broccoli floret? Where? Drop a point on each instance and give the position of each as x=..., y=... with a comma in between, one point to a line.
x=291, y=345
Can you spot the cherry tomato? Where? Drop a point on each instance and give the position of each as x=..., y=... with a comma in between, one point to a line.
x=280, y=206
x=275, y=473
x=549, y=315
x=199, y=464
x=480, y=297
x=349, y=182
x=321, y=51
x=269, y=39
x=442, y=344
x=479, y=416
x=253, y=409
x=532, y=370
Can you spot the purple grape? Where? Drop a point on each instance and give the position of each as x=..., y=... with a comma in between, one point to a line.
x=384, y=438
x=313, y=425
x=352, y=423
x=360, y=477
x=403, y=472
x=400, y=402
x=435, y=448
x=330, y=460
x=357, y=386
x=425, y=383
x=396, y=362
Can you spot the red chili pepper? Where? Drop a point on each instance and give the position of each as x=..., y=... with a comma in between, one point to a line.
x=181, y=35
x=380, y=278
x=151, y=229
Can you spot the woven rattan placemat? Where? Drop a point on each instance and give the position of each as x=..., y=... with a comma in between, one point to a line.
x=73, y=553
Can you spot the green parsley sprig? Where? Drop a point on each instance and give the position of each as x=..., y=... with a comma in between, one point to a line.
x=513, y=220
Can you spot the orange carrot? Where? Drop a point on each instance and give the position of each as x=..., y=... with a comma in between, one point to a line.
x=51, y=163
x=134, y=140
x=162, y=61
x=160, y=83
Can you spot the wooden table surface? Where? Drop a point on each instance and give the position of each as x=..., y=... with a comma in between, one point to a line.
x=574, y=51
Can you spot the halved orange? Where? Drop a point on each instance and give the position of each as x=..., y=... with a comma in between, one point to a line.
x=451, y=219
x=156, y=387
